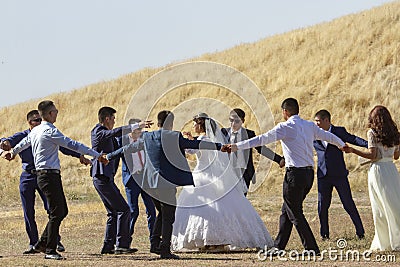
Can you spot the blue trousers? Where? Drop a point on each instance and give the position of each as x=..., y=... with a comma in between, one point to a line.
x=27, y=191
x=133, y=191
x=325, y=188
x=118, y=213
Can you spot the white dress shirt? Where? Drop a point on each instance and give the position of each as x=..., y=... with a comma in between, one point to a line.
x=46, y=140
x=137, y=164
x=297, y=136
x=241, y=162
x=325, y=142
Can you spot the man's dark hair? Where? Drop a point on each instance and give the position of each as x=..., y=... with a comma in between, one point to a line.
x=31, y=113
x=134, y=120
x=239, y=112
x=165, y=117
x=105, y=112
x=323, y=114
x=291, y=105
x=44, y=107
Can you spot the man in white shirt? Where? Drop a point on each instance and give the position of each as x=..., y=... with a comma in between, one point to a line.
x=297, y=137
x=45, y=140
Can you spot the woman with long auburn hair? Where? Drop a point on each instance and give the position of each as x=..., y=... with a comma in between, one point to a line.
x=383, y=178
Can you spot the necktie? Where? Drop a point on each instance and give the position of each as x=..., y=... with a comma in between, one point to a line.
x=140, y=158
x=235, y=140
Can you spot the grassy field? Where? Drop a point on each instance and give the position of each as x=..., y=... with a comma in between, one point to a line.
x=82, y=235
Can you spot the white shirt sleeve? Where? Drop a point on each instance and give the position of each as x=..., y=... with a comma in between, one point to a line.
x=22, y=145
x=321, y=134
x=273, y=135
x=58, y=138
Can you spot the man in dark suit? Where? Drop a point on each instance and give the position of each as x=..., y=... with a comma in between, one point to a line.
x=244, y=159
x=165, y=168
x=132, y=171
x=103, y=137
x=332, y=173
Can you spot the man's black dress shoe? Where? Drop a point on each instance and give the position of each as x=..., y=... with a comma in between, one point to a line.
x=31, y=250
x=107, y=251
x=169, y=255
x=54, y=256
x=119, y=250
x=39, y=247
x=60, y=247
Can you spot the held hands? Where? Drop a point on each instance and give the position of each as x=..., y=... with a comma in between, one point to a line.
x=103, y=159
x=188, y=135
x=5, y=145
x=226, y=148
x=85, y=161
x=145, y=124
x=347, y=149
x=8, y=155
x=229, y=148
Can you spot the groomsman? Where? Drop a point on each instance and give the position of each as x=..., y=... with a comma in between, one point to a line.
x=45, y=140
x=297, y=136
x=132, y=172
x=28, y=180
x=332, y=173
x=117, y=239
x=243, y=161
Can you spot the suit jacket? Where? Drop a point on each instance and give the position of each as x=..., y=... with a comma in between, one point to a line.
x=126, y=158
x=248, y=155
x=332, y=157
x=166, y=165
x=104, y=141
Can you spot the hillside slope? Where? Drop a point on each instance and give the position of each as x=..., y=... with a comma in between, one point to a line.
x=347, y=66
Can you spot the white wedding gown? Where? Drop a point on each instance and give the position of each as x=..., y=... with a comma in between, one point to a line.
x=384, y=194
x=215, y=212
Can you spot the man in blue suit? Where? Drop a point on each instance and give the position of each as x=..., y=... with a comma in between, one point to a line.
x=132, y=171
x=332, y=173
x=28, y=180
x=103, y=136
x=165, y=168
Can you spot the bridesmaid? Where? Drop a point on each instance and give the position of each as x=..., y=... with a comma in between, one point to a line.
x=383, y=178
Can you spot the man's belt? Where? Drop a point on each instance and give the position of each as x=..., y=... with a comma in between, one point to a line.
x=300, y=168
x=46, y=171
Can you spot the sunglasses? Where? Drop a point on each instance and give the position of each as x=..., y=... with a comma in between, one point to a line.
x=37, y=120
x=235, y=120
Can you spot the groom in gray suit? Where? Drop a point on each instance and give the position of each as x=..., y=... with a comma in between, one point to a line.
x=165, y=169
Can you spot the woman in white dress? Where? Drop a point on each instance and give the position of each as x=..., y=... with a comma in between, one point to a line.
x=215, y=215
x=383, y=178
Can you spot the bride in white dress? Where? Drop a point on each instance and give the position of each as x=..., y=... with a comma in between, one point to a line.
x=215, y=214
x=383, y=178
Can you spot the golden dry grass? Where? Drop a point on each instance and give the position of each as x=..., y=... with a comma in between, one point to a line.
x=347, y=66
x=82, y=235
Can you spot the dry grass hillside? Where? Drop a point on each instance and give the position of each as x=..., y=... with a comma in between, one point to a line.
x=347, y=66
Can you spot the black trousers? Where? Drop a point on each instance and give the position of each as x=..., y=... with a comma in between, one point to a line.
x=165, y=203
x=296, y=185
x=51, y=186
